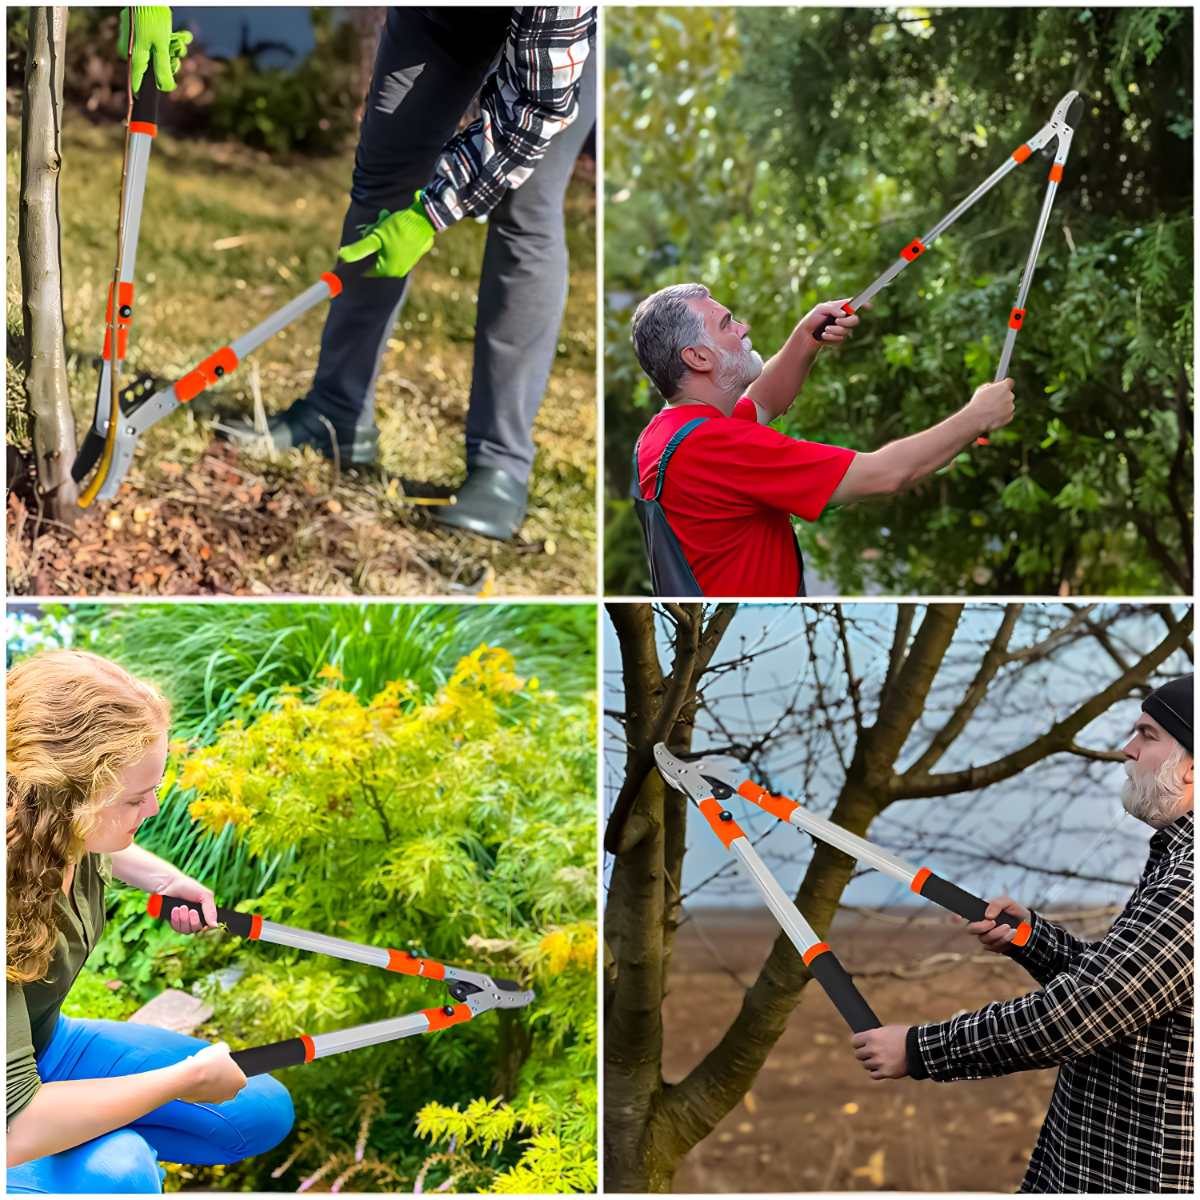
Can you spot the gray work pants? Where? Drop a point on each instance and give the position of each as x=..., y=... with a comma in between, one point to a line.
x=430, y=65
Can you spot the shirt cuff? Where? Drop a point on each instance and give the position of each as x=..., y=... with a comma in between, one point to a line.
x=1039, y=954
x=912, y=1054
x=439, y=213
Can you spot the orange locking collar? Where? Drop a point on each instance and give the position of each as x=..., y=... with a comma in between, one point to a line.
x=777, y=806
x=206, y=374
x=714, y=814
x=439, y=1018
x=407, y=963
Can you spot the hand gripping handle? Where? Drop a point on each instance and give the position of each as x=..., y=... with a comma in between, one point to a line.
x=951, y=897
x=839, y=987
x=240, y=924
x=258, y=1060
x=819, y=332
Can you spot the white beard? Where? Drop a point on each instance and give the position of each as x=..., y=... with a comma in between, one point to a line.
x=738, y=371
x=1154, y=797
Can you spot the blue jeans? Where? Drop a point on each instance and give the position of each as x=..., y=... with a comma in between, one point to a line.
x=126, y=1160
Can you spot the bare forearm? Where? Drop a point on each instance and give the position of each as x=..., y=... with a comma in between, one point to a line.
x=922, y=453
x=900, y=464
x=66, y=1114
x=141, y=869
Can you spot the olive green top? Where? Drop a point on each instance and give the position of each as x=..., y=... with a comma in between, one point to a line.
x=33, y=1007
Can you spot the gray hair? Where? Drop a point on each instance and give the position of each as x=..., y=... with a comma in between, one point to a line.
x=662, y=327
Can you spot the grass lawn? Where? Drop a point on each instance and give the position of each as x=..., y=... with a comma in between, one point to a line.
x=198, y=517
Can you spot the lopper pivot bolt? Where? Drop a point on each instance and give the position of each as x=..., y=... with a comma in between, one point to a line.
x=473, y=993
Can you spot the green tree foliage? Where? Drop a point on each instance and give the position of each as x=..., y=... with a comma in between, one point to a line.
x=785, y=159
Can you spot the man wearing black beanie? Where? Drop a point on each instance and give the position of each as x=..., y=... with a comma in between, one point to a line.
x=1114, y=1016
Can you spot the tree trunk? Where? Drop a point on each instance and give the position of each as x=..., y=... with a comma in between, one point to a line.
x=39, y=244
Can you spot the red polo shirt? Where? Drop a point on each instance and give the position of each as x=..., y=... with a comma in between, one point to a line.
x=730, y=487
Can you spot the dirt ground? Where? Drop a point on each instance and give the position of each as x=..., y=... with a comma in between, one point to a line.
x=814, y=1121
x=228, y=235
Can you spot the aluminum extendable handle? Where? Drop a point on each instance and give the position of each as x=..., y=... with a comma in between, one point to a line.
x=254, y=928
x=818, y=957
x=919, y=879
x=502, y=993
x=206, y=374
x=1060, y=126
x=293, y=1052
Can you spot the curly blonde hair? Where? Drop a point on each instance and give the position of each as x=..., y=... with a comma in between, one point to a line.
x=74, y=722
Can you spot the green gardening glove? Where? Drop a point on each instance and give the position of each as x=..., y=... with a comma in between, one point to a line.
x=152, y=36
x=397, y=240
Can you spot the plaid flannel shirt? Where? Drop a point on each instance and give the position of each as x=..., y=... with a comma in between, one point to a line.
x=1116, y=1017
x=533, y=95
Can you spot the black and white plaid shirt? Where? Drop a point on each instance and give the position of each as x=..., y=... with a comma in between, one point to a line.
x=1116, y=1017
x=533, y=95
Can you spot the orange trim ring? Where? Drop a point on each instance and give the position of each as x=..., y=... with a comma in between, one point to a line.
x=1015, y=318
x=915, y=247
x=310, y=1051
x=725, y=830
x=439, y=1018
x=1024, y=933
x=847, y=309
x=143, y=127
x=919, y=879
x=255, y=927
x=1021, y=153
x=777, y=806
x=154, y=905
x=335, y=284
x=813, y=951
x=1056, y=173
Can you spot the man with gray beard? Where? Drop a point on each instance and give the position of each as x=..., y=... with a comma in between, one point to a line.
x=1115, y=1016
x=719, y=524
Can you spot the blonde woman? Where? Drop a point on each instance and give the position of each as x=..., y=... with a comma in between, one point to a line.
x=94, y=1105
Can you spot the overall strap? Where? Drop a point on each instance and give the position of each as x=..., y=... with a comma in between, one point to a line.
x=668, y=450
x=635, y=484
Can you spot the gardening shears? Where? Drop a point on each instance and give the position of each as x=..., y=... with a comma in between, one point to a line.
x=473, y=992
x=818, y=957
x=918, y=879
x=1061, y=126
x=120, y=420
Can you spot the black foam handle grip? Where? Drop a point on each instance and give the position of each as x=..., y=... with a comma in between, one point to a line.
x=950, y=896
x=819, y=332
x=839, y=987
x=238, y=923
x=145, y=100
x=274, y=1056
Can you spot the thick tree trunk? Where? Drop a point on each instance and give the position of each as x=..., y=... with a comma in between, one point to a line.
x=39, y=245
x=643, y=897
